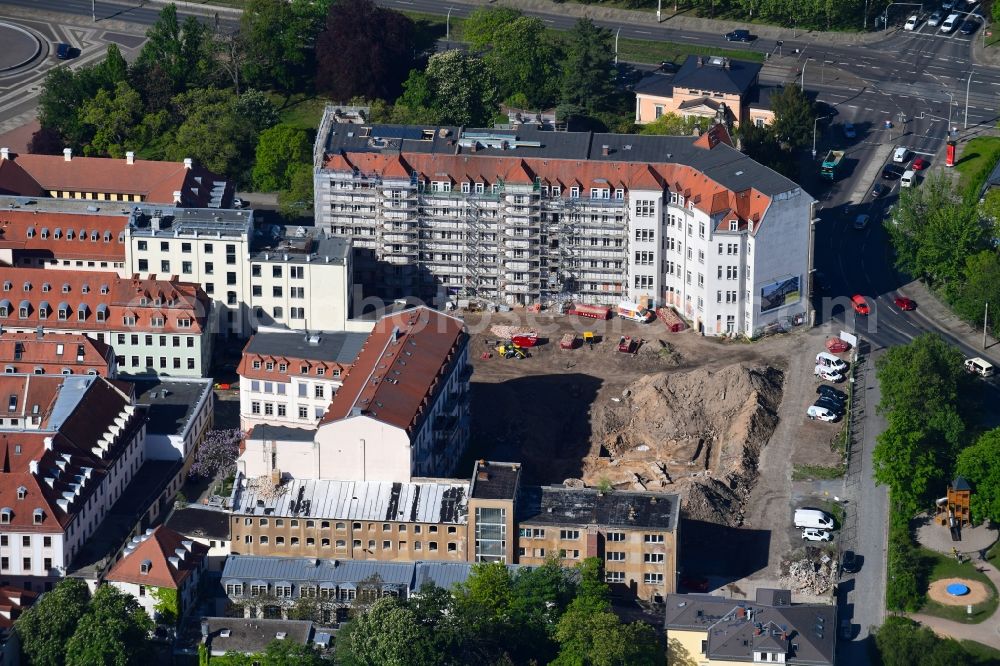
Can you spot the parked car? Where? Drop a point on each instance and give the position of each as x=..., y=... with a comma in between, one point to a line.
x=861, y=221
x=828, y=374
x=979, y=366
x=950, y=23
x=850, y=562
x=828, y=360
x=849, y=131
x=668, y=66
x=739, y=35
x=834, y=406
x=822, y=413
x=901, y=155
x=934, y=20
x=813, y=534
x=969, y=27
x=63, y=51
x=830, y=392
x=859, y=304
x=904, y=303
x=919, y=164
x=807, y=516
x=837, y=346
x=889, y=172
x=878, y=190
x=911, y=23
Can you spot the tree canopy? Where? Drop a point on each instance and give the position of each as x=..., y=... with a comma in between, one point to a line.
x=588, y=71
x=902, y=642
x=46, y=627
x=794, y=116
x=365, y=50
x=113, y=630
x=463, y=89
x=980, y=464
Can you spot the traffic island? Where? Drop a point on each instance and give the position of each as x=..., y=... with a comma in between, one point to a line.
x=20, y=47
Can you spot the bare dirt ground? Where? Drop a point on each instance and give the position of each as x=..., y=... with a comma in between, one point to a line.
x=977, y=592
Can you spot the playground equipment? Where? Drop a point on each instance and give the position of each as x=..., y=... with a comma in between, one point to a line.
x=953, y=508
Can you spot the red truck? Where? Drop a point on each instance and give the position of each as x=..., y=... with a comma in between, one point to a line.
x=591, y=311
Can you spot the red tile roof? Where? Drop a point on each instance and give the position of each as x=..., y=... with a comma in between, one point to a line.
x=64, y=235
x=29, y=352
x=100, y=292
x=15, y=181
x=154, y=181
x=490, y=169
x=156, y=551
x=398, y=370
x=55, y=468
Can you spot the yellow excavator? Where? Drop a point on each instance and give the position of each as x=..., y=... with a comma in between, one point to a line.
x=510, y=350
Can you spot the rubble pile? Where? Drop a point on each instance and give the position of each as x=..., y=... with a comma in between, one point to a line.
x=696, y=433
x=810, y=575
x=507, y=332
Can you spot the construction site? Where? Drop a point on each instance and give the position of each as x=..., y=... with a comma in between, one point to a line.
x=638, y=407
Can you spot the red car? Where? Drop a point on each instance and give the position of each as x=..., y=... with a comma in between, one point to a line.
x=859, y=304
x=919, y=164
x=837, y=346
x=904, y=303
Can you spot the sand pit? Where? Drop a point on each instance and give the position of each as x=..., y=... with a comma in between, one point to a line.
x=978, y=593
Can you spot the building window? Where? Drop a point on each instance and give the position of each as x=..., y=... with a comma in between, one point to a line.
x=652, y=578
x=614, y=576
x=652, y=558
x=652, y=538
x=569, y=534
x=615, y=556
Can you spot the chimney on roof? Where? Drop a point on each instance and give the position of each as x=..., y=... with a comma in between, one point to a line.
x=33, y=467
x=605, y=150
x=48, y=443
x=188, y=163
x=4, y=153
x=483, y=475
x=68, y=154
x=129, y=157
x=177, y=196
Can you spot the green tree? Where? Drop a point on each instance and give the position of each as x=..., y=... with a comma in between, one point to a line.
x=936, y=233
x=902, y=642
x=275, y=53
x=213, y=133
x=463, y=87
x=793, y=117
x=45, y=628
x=980, y=285
x=588, y=70
x=279, y=150
x=980, y=464
x=416, y=106
x=385, y=635
x=523, y=59
x=185, y=52
x=256, y=109
x=297, y=199
x=63, y=94
x=288, y=653
x=675, y=125
x=921, y=384
x=113, y=631
x=115, y=121
x=112, y=70
x=358, y=31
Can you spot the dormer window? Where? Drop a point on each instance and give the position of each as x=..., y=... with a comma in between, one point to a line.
x=156, y=322
x=104, y=288
x=320, y=372
x=734, y=225
x=22, y=492
x=6, y=514
x=557, y=190
x=45, y=232
x=680, y=199
x=46, y=287
x=65, y=287
x=93, y=236
x=27, y=286
x=143, y=301
x=574, y=192
x=58, y=234
x=183, y=323
x=7, y=286
x=31, y=232
x=69, y=234
x=37, y=516
x=256, y=365
x=128, y=320
x=85, y=288
x=269, y=366
x=282, y=367
x=145, y=566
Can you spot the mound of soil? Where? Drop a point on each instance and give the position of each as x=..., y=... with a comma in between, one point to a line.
x=696, y=433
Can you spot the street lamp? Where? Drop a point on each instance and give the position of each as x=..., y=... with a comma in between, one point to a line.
x=967, y=86
x=616, y=44
x=659, y=6
x=447, y=27
x=93, y=10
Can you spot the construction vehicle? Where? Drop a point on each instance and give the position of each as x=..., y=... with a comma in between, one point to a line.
x=831, y=164
x=525, y=339
x=589, y=339
x=590, y=311
x=626, y=345
x=633, y=312
x=510, y=350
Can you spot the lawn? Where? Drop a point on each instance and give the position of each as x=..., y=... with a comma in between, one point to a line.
x=947, y=567
x=301, y=111
x=978, y=158
x=983, y=654
x=816, y=472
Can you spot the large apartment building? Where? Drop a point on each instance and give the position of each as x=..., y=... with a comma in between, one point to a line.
x=154, y=325
x=70, y=445
x=56, y=354
x=525, y=215
x=288, y=377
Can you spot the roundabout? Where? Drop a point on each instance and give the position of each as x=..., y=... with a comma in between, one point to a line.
x=20, y=47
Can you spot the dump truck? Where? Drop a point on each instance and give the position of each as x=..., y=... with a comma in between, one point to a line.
x=633, y=312
x=591, y=311
x=831, y=164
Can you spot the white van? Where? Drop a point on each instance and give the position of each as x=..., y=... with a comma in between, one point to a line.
x=828, y=360
x=980, y=366
x=907, y=178
x=901, y=155
x=950, y=23
x=813, y=518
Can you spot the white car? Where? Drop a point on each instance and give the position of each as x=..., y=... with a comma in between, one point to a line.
x=828, y=360
x=829, y=374
x=901, y=155
x=822, y=413
x=934, y=20
x=812, y=534
x=911, y=23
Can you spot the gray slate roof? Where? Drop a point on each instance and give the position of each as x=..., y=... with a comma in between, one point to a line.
x=494, y=480
x=556, y=505
x=170, y=402
x=340, y=347
x=805, y=633
x=344, y=573
x=711, y=75
x=723, y=164
x=249, y=636
x=420, y=501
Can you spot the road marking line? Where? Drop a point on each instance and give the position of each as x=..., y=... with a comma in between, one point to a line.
x=868, y=108
x=850, y=106
x=643, y=32
x=994, y=83
x=686, y=37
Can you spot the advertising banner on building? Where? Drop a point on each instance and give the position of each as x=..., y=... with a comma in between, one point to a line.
x=780, y=293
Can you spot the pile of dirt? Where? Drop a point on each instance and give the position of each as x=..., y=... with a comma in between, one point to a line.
x=696, y=433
